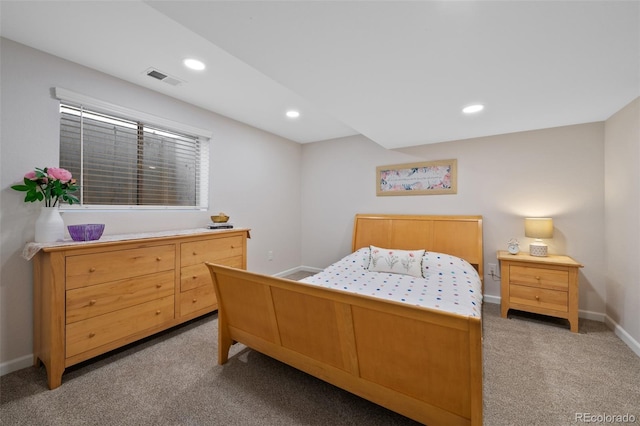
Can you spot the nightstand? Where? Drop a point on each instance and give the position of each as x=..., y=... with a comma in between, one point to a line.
x=543, y=285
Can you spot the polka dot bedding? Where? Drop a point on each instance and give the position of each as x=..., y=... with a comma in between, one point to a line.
x=448, y=283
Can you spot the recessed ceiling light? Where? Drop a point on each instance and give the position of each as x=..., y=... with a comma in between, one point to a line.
x=194, y=64
x=471, y=109
x=293, y=113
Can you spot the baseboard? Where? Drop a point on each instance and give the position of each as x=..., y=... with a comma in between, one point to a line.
x=596, y=316
x=297, y=269
x=623, y=335
x=491, y=299
x=16, y=364
x=27, y=360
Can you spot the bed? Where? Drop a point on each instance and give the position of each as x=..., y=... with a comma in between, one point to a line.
x=422, y=362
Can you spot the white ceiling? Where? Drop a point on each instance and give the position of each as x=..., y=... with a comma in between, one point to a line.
x=397, y=72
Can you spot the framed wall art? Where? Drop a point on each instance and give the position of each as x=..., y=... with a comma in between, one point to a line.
x=425, y=178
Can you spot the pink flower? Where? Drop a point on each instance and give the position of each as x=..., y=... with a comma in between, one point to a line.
x=49, y=184
x=62, y=175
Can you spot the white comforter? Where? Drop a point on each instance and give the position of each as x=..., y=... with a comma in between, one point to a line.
x=449, y=283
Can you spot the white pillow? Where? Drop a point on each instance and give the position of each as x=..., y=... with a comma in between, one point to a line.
x=407, y=262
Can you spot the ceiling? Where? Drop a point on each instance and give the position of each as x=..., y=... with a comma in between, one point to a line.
x=396, y=72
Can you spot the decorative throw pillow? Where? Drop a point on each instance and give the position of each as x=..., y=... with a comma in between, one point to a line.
x=408, y=262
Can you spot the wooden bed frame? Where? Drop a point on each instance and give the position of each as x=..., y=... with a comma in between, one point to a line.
x=422, y=363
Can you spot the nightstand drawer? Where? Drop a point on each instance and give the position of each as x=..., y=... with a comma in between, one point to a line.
x=552, y=279
x=539, y=297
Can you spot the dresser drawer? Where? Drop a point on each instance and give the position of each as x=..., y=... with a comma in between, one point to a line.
x=198, y=275
x=553, y=279
x=91, y=333
x=87, y=302
x=539, y=297
x=90, y=269
x=197, y=299
x=196, y=252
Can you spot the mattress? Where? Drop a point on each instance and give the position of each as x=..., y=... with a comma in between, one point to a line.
x=448, y=283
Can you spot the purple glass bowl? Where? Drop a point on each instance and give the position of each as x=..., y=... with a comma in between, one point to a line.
x=86, y=232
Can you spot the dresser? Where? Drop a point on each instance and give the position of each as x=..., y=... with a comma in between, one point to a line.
x=93, y=297
x=543, y=285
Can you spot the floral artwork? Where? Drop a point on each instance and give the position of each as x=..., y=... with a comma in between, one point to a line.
x=435, y=177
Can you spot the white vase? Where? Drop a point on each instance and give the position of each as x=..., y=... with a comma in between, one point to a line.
x=49, y=225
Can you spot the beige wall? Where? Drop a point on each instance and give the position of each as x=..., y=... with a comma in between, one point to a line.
x=254, y=178
x=557, y=172
x=622, y=219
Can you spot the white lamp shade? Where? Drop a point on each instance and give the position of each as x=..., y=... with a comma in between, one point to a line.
x=538, y=227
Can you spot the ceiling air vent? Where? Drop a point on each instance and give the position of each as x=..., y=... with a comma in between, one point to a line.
x=159, y=75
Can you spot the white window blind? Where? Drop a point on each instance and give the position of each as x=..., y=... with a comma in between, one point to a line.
x=122, y=162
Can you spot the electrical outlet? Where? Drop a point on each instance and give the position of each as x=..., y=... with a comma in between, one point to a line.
x=270, y=255
x=492, y=270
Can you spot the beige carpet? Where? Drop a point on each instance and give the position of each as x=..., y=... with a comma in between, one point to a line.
x=536, y=373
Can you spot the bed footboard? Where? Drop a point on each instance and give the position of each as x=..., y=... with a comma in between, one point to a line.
x=424, y=364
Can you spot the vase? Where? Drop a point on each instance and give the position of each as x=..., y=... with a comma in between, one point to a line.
x=49, y=225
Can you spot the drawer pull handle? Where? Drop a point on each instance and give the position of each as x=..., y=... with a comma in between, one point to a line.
x=158, y=285
x=194, y=300
x=158, y=258
x=538, y=278
x=92, y=269
x=158, y=312
x=92, y=335
x=538, y=298
x=195, y=254
x=92, y=302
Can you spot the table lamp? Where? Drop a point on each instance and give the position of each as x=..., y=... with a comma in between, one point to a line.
x=538, y=228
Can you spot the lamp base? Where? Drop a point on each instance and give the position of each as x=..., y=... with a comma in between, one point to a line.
x=538, y=249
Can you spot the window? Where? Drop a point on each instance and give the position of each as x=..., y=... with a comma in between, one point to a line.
x=123, y=162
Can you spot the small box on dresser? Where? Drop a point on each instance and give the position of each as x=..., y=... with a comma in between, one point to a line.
x=543, y=285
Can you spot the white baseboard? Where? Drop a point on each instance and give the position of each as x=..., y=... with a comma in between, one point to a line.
x=27, y=360
x=623, y=335
x=298, y=269
x=596, y=316
x=16, y=364
x=491, y=299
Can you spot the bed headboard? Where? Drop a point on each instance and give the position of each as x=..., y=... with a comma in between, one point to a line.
x=457, y=235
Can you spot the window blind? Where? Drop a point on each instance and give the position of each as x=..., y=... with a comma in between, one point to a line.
x=120, y=161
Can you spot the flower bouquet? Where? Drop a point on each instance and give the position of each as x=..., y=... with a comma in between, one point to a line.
x=51, y=184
